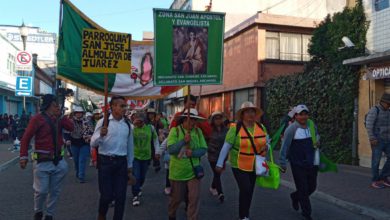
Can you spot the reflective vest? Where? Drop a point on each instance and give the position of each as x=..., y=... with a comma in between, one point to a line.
x=246, y=155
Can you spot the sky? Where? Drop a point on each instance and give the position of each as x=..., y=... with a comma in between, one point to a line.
x=128, y=16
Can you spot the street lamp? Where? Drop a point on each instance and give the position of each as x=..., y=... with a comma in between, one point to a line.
x=24, y=33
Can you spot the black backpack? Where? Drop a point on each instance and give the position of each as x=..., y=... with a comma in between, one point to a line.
x=365, y=117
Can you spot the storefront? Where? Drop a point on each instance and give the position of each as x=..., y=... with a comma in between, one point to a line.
x=374, y=81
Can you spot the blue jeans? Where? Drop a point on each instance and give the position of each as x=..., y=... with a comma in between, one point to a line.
x=112, y=175
x=140, y=168
x=80, y=158
x=381, y=147
x=48, y=181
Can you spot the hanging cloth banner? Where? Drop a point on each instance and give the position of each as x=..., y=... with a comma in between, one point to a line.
x=135, y=83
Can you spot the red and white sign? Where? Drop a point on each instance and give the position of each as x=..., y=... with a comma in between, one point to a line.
x=23, y=61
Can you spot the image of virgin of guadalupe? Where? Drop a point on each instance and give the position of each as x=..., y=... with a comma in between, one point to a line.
x=146, y=69
x=193, y=52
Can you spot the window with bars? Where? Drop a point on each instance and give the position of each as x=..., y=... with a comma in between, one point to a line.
x=287, y=46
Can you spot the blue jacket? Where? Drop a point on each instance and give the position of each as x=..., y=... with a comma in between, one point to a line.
x=299, y=152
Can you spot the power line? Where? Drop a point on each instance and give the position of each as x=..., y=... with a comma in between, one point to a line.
x=272, y=6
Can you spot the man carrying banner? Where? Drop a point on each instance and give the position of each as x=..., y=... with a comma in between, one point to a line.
x=115, y=158
x=49, y=168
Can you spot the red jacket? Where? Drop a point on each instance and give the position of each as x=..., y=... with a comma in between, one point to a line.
x=204, y=126
x=39, y=128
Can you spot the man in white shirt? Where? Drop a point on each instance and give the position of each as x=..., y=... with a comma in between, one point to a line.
x=115, y=159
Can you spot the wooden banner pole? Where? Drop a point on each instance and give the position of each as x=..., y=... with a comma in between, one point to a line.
x=189, y=108
x=105, y=120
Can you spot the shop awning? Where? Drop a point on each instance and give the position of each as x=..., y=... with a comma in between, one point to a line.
x=373, y=58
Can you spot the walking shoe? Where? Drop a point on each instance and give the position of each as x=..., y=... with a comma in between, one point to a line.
x=136, y=201
x=377, y=185
x=38, y=216
x=213, y=191
x=221, y=198
x=48, y=217
x=140, y=193
x=246, y=218
x=386, y=182
x=112, y=204
x=167, y=191
x=295, y=203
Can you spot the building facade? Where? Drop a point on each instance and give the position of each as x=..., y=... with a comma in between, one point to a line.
x=263, y=39
x=375, y=69
x=9, y=102
x=238, y=11
x=263, y=47
x=38, y=43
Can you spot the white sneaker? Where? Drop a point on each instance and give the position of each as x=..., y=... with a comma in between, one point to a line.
x=246, y=218
x=136, y=201
x=213, y=192
x=167, y=191
x=140, y=194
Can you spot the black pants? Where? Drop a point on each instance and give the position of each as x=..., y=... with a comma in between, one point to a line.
x=112, y=174
x=167, y=181
x=306, y=183
x=216, y=184
x=246, y=184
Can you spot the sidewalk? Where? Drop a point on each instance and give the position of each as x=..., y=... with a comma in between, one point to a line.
x=349, y=188
x=7, y=157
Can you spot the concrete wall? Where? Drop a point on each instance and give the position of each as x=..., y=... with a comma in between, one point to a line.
x=274, y=70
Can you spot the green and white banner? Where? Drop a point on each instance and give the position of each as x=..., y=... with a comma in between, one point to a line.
x=133, y=79
x=188, y=47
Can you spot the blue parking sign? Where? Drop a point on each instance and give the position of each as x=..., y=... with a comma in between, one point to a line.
x=24, y=86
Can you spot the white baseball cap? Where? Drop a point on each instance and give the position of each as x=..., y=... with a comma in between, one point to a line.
x=300, y=108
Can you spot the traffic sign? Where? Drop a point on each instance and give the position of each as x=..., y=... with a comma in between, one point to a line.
x=24, y=85
x=23, y=61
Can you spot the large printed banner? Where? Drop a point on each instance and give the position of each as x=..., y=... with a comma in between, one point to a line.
x=188, y=47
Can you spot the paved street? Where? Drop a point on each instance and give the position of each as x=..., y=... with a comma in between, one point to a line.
x=79, y=201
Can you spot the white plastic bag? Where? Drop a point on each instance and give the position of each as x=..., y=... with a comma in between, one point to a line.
x=316, y=157
x=261, y=166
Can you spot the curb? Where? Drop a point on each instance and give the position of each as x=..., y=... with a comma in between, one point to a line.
x=9, y=163
x=352, y=207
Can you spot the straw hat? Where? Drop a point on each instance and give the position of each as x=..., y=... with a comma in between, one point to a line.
x=78, y=109
x=216, y=113
x=193, y=114
x=246, y=106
